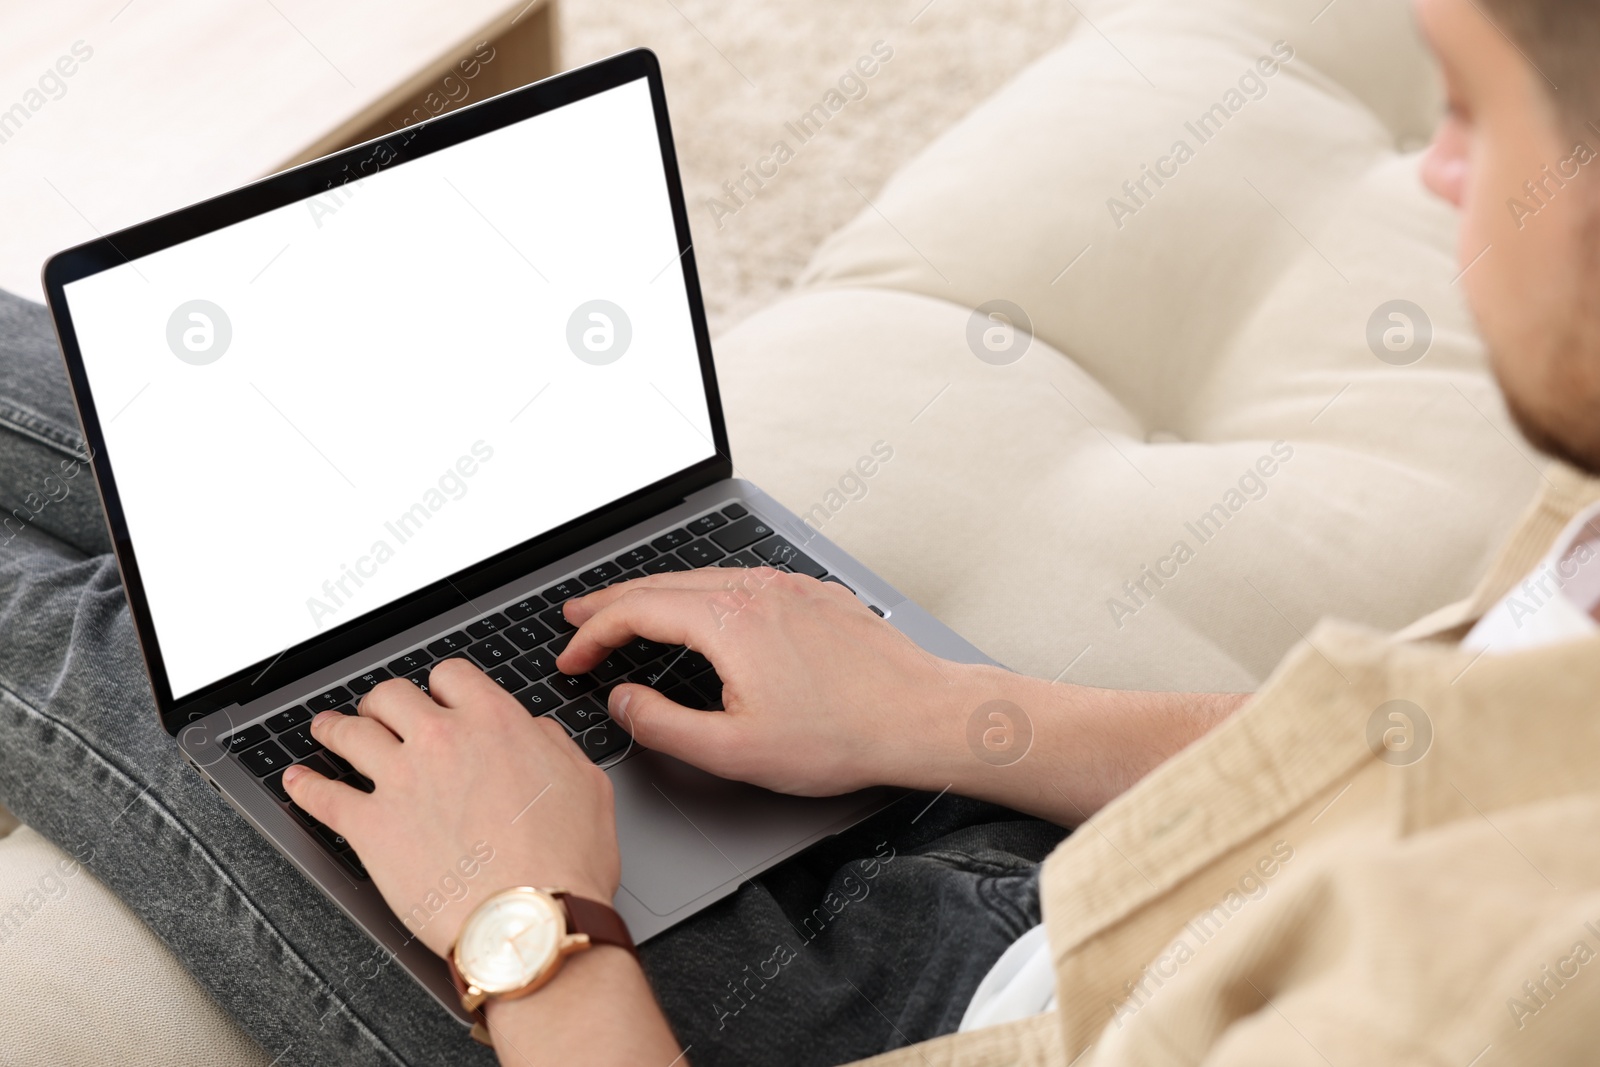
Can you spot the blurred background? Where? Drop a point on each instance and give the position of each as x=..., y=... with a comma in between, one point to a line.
x=114, y=111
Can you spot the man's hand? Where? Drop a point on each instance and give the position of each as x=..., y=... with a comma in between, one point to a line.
x=458, y=775
x=822, y=696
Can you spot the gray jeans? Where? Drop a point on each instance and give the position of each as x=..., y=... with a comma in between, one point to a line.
x=837, y=954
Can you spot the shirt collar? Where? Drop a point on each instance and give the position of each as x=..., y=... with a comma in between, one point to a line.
x=1555, y=602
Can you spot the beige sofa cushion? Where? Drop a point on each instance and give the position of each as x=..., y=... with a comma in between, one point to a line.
x=1227, y=314
x=87, y=983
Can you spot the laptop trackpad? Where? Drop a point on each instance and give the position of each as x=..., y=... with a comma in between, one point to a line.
x=684, y=833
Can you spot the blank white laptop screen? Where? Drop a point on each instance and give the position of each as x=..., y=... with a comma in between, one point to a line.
x=319, y=410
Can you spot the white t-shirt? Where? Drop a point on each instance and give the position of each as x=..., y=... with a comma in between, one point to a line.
x=1555, y=603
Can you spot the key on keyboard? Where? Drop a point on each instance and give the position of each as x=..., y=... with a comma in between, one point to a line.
x=329, y=700
x=636, y=557
x=705, y=523
x=491, y=652
x=524, y=607
x=571, y=686
x=321, y=762
x=491, y=624
x=536, y=664
x=529, y=634
x=365, y=683
x=600, y=575
x=671, y=539
x=288, y=720
x=642, y=650
x=555, y=620
x=611, y=669
x=562, y=591
x=779, y=552
x=741, y=533
x=604, y=740
x=538, y=699
x=506, y=678
x=580, y=715
x=414, y=660
x=700, y=553
x=246, y=739
x=264, y=759
x=449, y=643
x=299, y=742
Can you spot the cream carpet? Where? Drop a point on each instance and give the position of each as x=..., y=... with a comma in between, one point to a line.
x=737, y=73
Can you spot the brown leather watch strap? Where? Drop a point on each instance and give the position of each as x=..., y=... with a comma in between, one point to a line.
x=600, y=921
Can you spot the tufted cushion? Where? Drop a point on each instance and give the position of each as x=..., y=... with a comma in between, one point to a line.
x=88, y=984
x=1177, y=341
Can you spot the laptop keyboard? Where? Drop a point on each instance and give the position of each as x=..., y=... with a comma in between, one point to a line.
x=517, y=646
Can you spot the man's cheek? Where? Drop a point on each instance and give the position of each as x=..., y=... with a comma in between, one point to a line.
x=1491, y=246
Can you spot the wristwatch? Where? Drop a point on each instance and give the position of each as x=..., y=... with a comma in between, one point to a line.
x=516, y=940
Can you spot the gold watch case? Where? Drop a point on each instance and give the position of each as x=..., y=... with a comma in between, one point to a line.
x=512, y=944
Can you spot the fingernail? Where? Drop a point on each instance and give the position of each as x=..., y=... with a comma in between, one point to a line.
x=324, y=716
x=292, y=773
x=619, y=702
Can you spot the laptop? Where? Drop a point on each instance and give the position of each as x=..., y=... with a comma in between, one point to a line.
x=398, y=404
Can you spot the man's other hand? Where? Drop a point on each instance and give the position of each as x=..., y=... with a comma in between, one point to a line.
x=821, y=695
x=471, y=795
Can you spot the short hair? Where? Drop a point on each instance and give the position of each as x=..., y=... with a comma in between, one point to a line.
x=1561, y=39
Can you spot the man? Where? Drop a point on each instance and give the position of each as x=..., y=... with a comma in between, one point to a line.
x=1383, y=857
x=1418, y=910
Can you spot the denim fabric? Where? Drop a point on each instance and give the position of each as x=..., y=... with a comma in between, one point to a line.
x=874, y=939
x=43, y=484
x=837, y=954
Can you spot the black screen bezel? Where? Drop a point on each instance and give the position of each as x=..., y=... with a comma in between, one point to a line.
x=311, y=179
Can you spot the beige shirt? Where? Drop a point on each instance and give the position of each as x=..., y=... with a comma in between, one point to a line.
x=1390, y=856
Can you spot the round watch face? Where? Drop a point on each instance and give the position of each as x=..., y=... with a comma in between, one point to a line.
x=510, y=940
